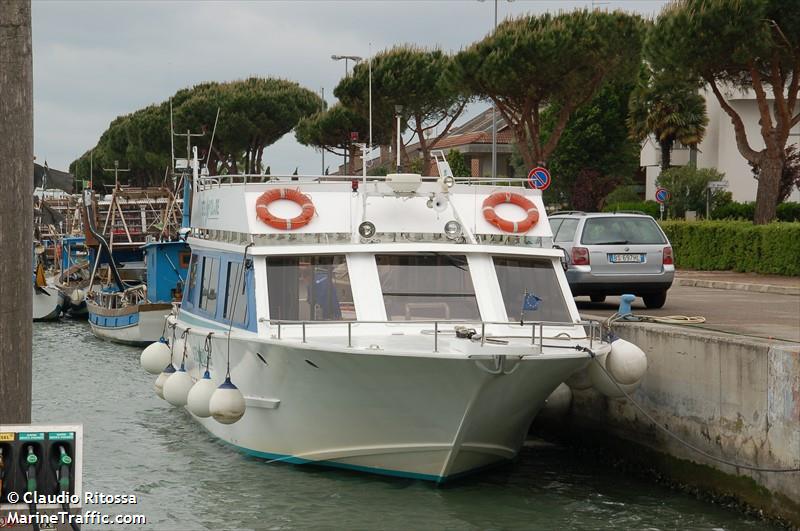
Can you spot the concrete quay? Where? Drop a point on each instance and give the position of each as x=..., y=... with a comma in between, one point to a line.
x=729, y=386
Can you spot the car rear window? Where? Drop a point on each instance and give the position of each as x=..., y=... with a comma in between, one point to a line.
x=621, y=231
x=566, y=230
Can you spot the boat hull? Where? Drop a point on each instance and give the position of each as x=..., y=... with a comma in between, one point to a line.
x=48, y=303
x=423, y=417
x=139, y=324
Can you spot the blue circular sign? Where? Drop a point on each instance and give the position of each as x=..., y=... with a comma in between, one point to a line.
x=539, y=178
x=662, y=195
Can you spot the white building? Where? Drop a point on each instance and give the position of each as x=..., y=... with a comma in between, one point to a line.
x=718, y=148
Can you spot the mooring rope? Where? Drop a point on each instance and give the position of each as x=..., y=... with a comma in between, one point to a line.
x=675, y=436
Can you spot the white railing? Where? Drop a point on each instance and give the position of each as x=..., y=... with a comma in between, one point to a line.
x=214, y=181
x=595, y=328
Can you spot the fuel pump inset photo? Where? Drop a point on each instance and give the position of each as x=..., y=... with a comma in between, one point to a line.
x=40, y=462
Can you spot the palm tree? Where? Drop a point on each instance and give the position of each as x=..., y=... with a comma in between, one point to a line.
x=669, y=108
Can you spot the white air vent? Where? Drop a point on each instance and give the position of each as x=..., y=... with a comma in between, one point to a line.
x=404, y=183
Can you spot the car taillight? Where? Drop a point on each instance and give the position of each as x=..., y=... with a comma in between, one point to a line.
x=668, y=256
x=580, y=256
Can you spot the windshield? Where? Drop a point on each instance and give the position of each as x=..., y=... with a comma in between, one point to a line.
x=536, y=277
x=621, y=231
x=426, y=286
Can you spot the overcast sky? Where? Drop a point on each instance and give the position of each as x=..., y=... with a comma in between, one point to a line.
x=95, y=60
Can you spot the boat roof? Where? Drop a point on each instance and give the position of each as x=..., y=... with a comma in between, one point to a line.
x=224, y=210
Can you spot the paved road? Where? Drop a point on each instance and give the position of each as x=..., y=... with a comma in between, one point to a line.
x=741, y=312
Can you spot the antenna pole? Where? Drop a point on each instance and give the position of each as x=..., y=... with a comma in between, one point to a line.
x=116, y=172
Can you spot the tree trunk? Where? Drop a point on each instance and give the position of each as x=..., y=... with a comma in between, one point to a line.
x=16, y=210
x=768, y=188
x=666, y=154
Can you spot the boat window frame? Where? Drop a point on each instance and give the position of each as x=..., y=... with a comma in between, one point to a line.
x=213, y=280
x=271, y=296
x=470, y=278
x=530, y=315
x=242, y=296
x=191, y=282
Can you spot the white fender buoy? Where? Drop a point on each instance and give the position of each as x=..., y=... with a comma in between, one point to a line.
x=557, y=404
x=579, y=380
x=155, y=357
x=626, y=362
x=602, y=383
x=227, y=403
x=177, y=386
x=199, y=398
x=168, y=371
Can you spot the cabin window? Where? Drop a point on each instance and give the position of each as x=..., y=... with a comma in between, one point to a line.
x=208, y=288
x=236, y=288
x=192, y=284
x=536, y=276
x=426, y=286
x=309, y=288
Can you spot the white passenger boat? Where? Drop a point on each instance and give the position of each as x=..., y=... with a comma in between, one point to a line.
x=399, y=325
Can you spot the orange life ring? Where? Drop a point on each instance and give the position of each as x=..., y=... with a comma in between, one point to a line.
x=505, y=225
x=262, y=208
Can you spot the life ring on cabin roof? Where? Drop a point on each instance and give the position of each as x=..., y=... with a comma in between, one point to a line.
x=303, y=219
x=505, y=225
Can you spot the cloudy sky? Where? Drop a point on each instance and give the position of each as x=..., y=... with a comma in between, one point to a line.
x=96, y=60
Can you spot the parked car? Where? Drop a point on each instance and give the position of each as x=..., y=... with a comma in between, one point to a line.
x=615, y=253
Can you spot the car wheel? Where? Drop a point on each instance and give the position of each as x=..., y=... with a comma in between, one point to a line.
x=655, y=300
x=597, y=298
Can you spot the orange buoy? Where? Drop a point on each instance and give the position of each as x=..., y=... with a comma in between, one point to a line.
x=303, y=219
x=505, y=225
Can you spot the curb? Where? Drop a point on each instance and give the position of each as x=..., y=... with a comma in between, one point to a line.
x=741, y=286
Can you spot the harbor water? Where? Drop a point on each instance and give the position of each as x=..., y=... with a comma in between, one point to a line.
x=135, y=443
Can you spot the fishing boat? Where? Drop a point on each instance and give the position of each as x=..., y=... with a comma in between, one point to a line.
x=74, y=264
x=398, y=325
x=48, y=302
x=133, y=311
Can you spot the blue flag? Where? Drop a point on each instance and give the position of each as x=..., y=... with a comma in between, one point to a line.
x=530, y=302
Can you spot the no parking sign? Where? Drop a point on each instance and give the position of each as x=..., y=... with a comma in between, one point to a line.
x=539, y=178
x=662, y=195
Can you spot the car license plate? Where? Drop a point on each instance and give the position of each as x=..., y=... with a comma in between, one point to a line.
x=626, y=258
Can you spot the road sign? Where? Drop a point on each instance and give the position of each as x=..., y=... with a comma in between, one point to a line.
x=539, y=178
x=662, y=195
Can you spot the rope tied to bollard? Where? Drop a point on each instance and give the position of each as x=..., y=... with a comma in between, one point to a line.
x=687, y=444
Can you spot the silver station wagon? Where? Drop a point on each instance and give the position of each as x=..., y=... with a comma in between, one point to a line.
x=615, y=253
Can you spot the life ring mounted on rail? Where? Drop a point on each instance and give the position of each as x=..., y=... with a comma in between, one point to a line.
x=301, y=220
x=505, y=225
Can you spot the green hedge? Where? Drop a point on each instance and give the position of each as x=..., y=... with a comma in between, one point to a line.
x=736, y=245
x=787, y=211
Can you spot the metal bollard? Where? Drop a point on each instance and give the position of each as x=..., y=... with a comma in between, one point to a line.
x=304, y=331
x=279, y=330
x=483, y=333
x=436, y=336
x=349, y=334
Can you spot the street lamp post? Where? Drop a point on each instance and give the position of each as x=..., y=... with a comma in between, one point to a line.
x=494, y=109
x=346, y=58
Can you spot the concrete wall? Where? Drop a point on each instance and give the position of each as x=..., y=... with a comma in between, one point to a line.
x=732, y=397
